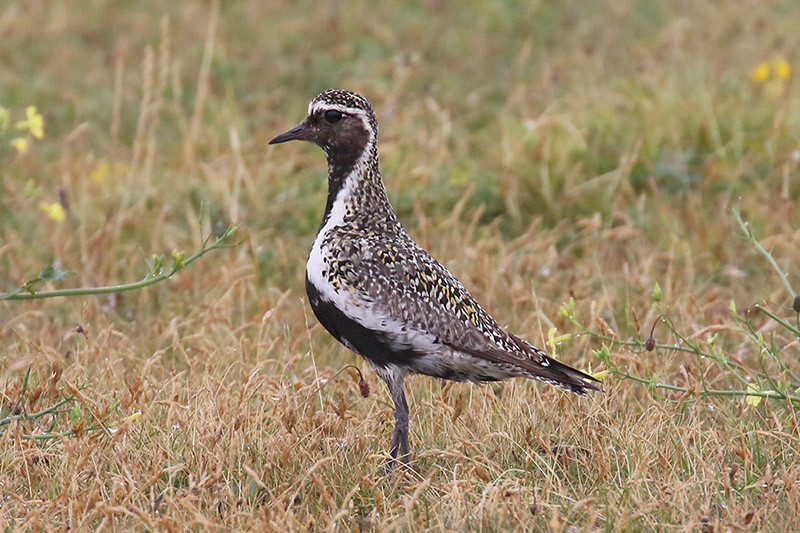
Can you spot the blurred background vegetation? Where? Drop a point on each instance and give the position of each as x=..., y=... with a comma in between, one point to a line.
x=547, y=110
x=541, y=150
x=633, y=111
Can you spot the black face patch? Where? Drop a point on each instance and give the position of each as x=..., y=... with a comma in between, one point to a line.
x=343, y=137
x=338, y=98
x=333, y=115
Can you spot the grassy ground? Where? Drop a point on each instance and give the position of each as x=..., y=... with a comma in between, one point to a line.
x=543, y=151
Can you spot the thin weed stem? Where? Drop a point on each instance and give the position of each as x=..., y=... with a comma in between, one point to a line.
x=777, y=385
x=27, y=292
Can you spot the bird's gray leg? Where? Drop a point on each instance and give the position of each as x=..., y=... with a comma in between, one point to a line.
x=399, y=448
x=400, y=436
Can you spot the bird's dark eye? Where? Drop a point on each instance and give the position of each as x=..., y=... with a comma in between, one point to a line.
x=331, y=115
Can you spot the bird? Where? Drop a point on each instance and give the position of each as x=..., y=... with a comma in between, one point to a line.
x=375, y=290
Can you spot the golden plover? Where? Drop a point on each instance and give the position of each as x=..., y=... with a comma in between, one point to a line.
x=384, y=297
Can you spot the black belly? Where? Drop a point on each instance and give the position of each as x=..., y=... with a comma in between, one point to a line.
x=370, y=344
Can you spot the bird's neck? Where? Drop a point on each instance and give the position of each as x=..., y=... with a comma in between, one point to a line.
x=355, y=185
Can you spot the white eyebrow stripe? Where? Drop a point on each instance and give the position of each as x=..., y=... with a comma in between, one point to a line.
x=314, y=107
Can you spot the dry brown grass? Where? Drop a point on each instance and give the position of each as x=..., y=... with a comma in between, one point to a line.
x=537, y=163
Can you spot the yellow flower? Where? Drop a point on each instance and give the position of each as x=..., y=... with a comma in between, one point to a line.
x=132, y=417
x=100, y=173
x=781, y=68
x=752, y=399
x=600, y=375
x=760, y=73
x=33, y=123
x=21, y=144
x=54, y=210
x=552, y=340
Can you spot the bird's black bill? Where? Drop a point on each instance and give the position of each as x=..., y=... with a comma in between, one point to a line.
x=291, y=135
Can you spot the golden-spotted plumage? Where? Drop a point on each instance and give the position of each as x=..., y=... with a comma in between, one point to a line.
x=381, y=294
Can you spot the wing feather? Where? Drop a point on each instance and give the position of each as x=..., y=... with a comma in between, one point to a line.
x=427, y=297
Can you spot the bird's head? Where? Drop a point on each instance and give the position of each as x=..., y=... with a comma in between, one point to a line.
x=340, y=122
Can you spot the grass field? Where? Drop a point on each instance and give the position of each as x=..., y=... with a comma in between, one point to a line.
x=543, y=151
